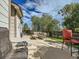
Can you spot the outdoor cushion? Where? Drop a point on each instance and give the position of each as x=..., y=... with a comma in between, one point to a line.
x=67, y=41
x=74, y=41
x=67, y=33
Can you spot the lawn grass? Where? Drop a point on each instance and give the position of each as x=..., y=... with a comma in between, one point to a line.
x=59, y=40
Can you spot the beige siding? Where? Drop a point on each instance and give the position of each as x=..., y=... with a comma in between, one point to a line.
x=4, y=19
x=14, y=31
x=17, y=27
x=4, y=13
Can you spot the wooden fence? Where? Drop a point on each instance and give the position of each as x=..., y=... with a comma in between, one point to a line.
x=59, y=35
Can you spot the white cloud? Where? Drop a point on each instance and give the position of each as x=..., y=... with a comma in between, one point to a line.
x=49, y=6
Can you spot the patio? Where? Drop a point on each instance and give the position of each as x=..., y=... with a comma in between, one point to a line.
x=46, y=51
x=54, y=53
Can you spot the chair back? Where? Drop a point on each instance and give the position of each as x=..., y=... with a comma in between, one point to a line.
x=67, y=34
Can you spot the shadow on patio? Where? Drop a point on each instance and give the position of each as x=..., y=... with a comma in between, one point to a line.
x=53, y=53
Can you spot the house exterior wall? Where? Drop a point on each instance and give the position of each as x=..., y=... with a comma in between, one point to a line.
x=17, y=27
x=4, y=20
x=5, y=44
x=4, y=13
x=12, y=30
x=14, y=27
x=6, y=36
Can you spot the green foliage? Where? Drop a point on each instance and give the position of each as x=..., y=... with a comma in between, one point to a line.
x=69, y=9
x=36, y=23
x=54, y=40
x=71, y=15
x=77, y=29
x=44, y=23
x=25, y=27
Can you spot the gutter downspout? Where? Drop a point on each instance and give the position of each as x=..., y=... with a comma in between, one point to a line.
x=9, y=14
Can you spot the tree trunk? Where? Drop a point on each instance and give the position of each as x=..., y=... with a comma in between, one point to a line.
x=50, y=34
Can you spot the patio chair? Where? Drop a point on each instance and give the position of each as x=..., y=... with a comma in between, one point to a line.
x=67, y=38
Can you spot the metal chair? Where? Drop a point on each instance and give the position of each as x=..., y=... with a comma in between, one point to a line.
x=67, y=38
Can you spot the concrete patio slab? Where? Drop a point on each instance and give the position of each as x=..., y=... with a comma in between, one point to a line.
x=55, y=53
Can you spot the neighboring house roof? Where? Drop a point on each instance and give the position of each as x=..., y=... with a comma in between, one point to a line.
x=16, y=10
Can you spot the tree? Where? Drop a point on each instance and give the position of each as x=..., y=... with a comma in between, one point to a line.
x=25, y=27
x=36, y=23
x=71, y=15
x=45, y=24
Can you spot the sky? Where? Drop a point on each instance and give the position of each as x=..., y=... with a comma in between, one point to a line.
x=39, y=7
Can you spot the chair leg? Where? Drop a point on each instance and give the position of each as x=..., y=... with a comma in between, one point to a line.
x=68, y=46
x=78, y=51
x=62, y=44
x=71, y=49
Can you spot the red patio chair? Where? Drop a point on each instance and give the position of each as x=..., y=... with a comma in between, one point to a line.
x=67, y=38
